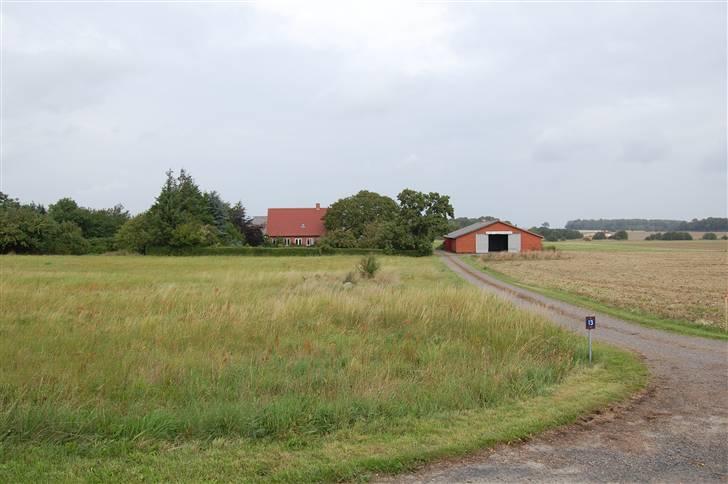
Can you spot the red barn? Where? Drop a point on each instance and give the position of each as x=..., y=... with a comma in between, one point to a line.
x=296, y=226
x=493, y=236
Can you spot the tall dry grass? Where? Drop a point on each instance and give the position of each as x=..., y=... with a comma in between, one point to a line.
x=170, y=348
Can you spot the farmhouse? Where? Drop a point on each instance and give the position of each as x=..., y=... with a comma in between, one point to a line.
x=491, y=236
x=296, y=226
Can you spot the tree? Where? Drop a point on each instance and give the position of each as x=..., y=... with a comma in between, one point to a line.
x=354, y=215
x=710, y=236
x=546, y=225
x=66, y=238
x=423, y=216
x=620, y=235
x=181, y=214
x=249, y=233
x=23, y=229
x=599, y=236
x=93, y=223
x=137, y=234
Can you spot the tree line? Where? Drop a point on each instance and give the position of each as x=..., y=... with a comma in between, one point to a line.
x=709, y=224
x=183, y=216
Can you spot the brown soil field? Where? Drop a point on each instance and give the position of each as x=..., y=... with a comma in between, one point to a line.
x=678, y=284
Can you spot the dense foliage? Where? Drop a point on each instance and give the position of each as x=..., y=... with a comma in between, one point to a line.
x=712, y=224
x=670, y=236
x=620, y=235
x=710, y=236
x=371, y=220
x=65, y=228
x=183, y=216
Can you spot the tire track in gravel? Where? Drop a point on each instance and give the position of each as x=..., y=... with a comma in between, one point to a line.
x=676, y=431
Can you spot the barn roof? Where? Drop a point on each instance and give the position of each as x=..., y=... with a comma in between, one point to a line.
x=303, y=222
x=479, y=225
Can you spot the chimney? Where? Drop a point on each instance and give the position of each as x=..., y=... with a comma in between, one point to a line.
x=318, y=206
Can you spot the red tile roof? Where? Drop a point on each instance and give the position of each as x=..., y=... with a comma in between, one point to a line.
x=295, y=222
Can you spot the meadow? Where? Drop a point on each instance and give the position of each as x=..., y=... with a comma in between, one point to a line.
x=680, y=285
x=236, y=368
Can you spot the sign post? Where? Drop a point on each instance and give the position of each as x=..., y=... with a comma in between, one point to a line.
x=591, y=323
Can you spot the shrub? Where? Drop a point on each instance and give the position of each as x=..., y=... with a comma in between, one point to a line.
x=710, y=236
x=620, y=235
x=368, y=266
x=725, y=237
x=600, y=236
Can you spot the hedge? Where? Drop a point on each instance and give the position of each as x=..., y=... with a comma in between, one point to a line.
x=271, y=251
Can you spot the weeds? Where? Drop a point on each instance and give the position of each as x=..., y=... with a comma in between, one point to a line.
x=368, y=266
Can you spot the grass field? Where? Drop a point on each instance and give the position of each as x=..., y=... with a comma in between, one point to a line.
x=679, y=285
x=253, y=369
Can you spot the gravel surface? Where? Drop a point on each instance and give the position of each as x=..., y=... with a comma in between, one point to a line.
x=677, y=431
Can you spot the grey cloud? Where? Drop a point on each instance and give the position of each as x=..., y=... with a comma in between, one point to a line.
x=280, y=107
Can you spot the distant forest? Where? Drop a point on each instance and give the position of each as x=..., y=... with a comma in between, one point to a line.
x=710, y=224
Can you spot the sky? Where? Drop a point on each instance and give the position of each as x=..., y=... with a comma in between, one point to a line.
x=529, y=112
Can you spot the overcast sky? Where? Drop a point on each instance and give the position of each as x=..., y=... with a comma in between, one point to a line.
x=529, y=112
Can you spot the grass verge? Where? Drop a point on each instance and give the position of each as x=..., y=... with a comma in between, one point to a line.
x=271, y=369
x=350, y=454
x=649, y=320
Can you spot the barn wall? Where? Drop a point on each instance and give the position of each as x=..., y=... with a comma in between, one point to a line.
x=466, y=243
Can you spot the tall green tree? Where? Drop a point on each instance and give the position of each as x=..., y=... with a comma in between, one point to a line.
x=423, y=216
x=180, y=215
x=351, y=218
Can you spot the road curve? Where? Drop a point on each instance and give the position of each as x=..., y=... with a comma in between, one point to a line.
x=677, y=432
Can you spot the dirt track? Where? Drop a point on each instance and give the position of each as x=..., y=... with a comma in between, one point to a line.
x=676, y=431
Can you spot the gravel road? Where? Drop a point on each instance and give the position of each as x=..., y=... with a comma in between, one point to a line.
x=676, y=432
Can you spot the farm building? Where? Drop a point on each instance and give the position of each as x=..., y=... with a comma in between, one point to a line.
x=296, y=226
x=492, y=236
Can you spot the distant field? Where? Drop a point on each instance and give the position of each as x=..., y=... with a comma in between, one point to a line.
x=641, y=245
x=257, y=369
x=673, y=282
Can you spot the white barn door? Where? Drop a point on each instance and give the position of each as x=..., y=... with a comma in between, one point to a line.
x=514, y=243
x=481, y=243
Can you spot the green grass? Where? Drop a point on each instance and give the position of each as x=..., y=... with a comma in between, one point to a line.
x=258, y=369
x=633, y=315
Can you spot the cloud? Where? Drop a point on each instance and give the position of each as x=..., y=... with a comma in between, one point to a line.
x=411, y=38
x=293, y=103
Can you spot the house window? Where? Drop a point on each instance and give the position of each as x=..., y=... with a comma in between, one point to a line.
x=287, y=241
x=297, y=241
x=309, y=242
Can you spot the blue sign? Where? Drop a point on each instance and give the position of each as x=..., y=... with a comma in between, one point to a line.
x=591, y=322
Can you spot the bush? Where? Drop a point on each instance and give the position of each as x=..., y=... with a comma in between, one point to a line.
x=725, y=237
x=710, y=236
x=368, y=266
x=620, y=235
x=599, y=236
